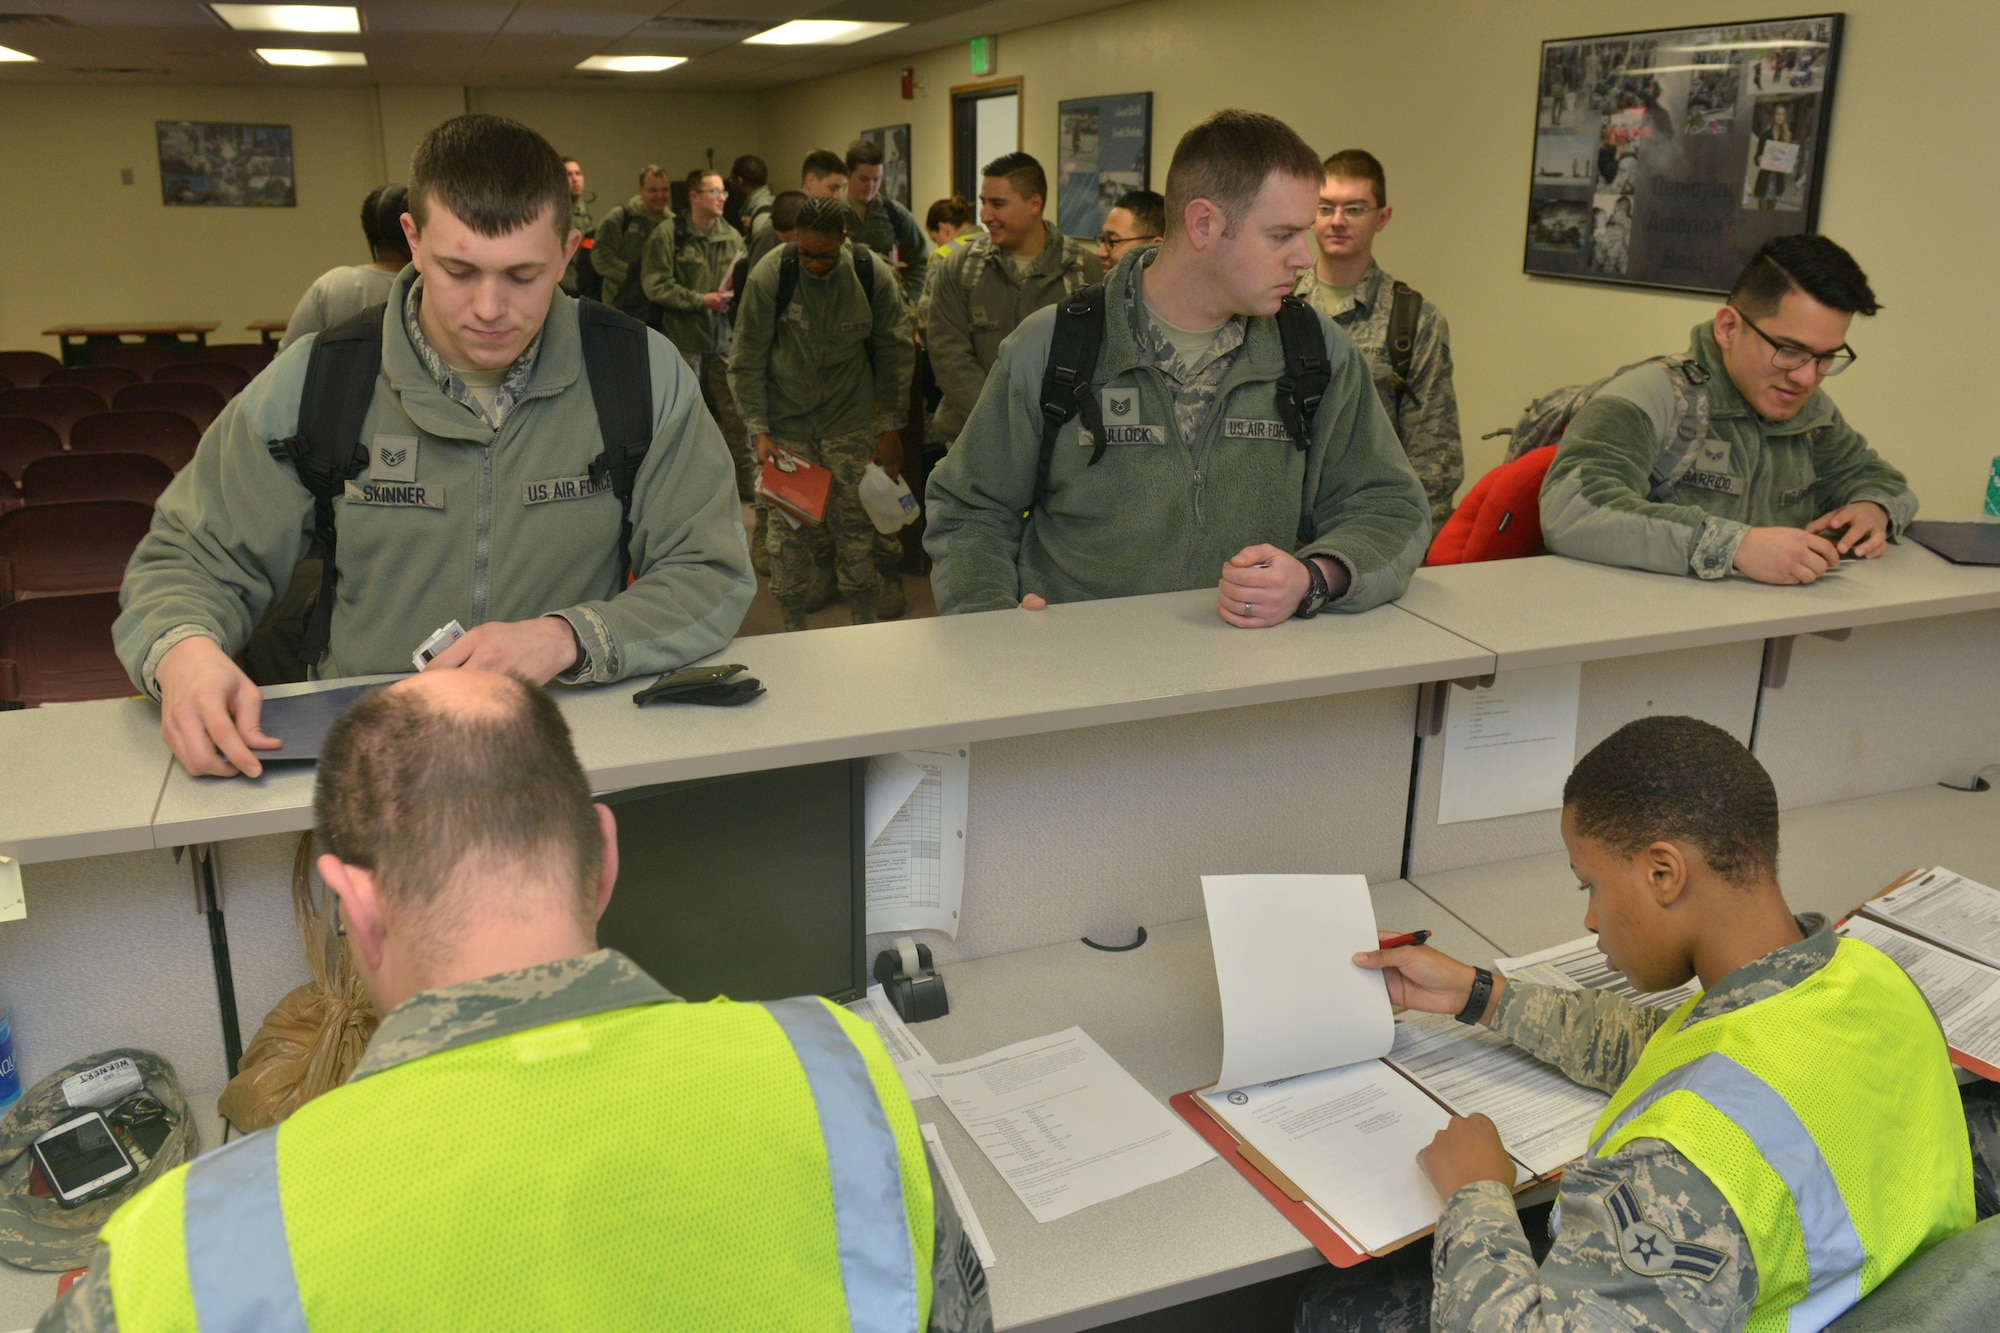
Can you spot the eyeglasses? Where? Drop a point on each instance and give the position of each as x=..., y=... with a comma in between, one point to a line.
x=1353, y=212
x=1107, y=240
x=717, y=192
x=1790, y=356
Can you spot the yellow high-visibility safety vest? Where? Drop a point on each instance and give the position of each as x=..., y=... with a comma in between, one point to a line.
x=662, y=1166
x=1828, y=1117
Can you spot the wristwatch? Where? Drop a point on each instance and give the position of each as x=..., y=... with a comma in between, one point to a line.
x=1482, y=991
x=1317, y=593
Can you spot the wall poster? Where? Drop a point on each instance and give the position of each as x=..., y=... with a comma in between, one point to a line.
x=1664, y=159
x=1104, y=147
x=894, y=141
x=233, y=166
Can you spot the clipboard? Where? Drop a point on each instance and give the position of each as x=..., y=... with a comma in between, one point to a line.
x=1972, y=1064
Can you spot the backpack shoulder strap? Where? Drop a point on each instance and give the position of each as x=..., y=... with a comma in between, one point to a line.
x=616, y=363
x=1406, y=308
x=1307, y=369
x=788, y=281
x=327, y=450
x=864, y=269
x=1066, y=387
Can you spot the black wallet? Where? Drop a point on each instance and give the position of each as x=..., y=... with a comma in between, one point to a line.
x=721, y=686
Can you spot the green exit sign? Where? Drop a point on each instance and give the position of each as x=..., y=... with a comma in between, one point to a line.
x=982, y=55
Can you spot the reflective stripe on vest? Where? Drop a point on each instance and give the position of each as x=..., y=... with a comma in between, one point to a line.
x=239, y=1259
x=1833, y=1247
x=239, y=1263
x=877, y=1269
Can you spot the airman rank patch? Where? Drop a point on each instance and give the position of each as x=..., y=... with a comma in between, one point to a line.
x=394, y=458
x=395, y=494
x=1651, y=1252
x=1249, y=428
x=563, y=488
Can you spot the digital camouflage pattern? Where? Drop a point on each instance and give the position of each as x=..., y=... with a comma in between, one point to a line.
x=41, y=1234
x=448, y=381
x=855, y=550
x=1194, y=388
x=513, y=1002
x=1425, y=411
x=713, y=373
x=579, y=220
x=885, y=226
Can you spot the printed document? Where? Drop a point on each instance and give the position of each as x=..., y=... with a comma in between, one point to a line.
x=1581, y=965
x=1544, y=1119
x=913, y=1062
x=916, y=861
x=1963, y=994
x=1961, y=914
x=1064, y=1124
x=1509, y=746
x=959, y=1199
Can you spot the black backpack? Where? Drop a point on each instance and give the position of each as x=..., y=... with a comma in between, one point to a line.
x=788, y=282
x=328, y=450
x=1079, y=336
x=1406, y=308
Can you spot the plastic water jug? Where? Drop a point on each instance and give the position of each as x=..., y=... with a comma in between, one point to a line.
x=890, y=506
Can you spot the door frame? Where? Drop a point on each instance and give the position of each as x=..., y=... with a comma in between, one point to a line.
x=979, y=92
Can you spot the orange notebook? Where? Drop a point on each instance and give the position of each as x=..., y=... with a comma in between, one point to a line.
x=796, y=486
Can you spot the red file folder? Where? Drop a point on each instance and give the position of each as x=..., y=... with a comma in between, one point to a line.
x=795, y=486
x=1299, y=1214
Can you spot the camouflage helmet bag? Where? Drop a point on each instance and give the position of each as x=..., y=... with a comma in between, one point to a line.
x=41, y=1234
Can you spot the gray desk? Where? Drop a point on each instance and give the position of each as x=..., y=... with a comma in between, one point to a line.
x=80, y=779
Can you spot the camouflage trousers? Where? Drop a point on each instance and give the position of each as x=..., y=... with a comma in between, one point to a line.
x=1391, y=1294
x=855, y=561
x=713, y=373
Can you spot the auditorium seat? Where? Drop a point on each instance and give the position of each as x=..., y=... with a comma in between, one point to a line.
x=220, y=375
x=199, y=403
x=144, y=358
x=167, y=436
x=10, y=495
x=27, y=368
x=5, y=383
x=70, y=478
x=55, y=405
x=58, y=650
x=100, y=380
x=69, y=548
x=23, y=441
x=251, y=357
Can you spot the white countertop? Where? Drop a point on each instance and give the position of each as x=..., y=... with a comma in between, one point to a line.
x=80, y=779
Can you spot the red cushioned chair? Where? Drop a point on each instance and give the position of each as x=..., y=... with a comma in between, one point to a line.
x=58, y=650
x=23, y=441
x=1500, y=517
x=219, y=375
x=250, y=357
x=199, y=403
x=55, y=405
x=72, y=478
x=69, y=548
x=143, y=358
x=27, y=368
x=167, y=436
x=100, y=380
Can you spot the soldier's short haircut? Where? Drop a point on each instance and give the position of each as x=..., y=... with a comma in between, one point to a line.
x=1148, y=209
x=698, y=179
x=1023, y=172
x=652, y=169
x=863, y=153
x=1678, y=779
x=750, y=169
x=1810, y=264
x=1227, y=158
x=954, y=210
x=411, y=791
x=822, y=217
x=785, y=210
x=823, y=162
x=1358, y=164
x=495, y=175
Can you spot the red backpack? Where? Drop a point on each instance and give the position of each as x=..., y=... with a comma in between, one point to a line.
x=1501, y=516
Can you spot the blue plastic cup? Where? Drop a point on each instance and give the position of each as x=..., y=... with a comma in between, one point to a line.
x=10, y=1075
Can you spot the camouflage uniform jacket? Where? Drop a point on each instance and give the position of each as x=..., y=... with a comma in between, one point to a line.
x=886, y=225
x=513, y=1002
x=579, y=220
x=1198, y=467
x=1485, y=1276
x=1425, y=410
x=618, y=248
x=679, y=273
x=1600, y=502
x=978, y=300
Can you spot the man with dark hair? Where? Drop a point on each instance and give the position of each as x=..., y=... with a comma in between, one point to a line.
x=985, y=288
x=825, y=378
x=686, y=274
x=1138, y=218
x=1404, y=336
x=351, y=288
x=478, y=484
x=618, y=251
x=881, y=223
x=529, y=1094
x=580, y=279
x=1775, y=1146
x=1288, y=495
x=749, y=204
x=1730, y=457
x=823, y=175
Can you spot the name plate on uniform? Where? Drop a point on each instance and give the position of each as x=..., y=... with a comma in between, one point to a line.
x=395, y=494
x=1703, y=480
x=1253, y=428
x=563, y=488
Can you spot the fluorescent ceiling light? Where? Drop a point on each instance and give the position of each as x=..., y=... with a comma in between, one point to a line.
x=820, y=32
x=290, y=18
x=272, y=55
x=632, y=64
x=8, y=53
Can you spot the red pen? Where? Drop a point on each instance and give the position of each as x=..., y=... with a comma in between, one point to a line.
x=1404, y=941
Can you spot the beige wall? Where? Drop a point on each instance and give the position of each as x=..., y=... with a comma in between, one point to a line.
x=1444, y=92
x=81, y=246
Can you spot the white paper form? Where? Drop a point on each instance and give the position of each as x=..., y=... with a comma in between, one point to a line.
x=959, y=1199
x=891, y=781
x=13, y=897
x=1963, y=994
x=1064, y=1124
x=916, y=865
x=1581, y=965
x=1350, y=1137
x=1948, y=909
x=1509, y=746
x=913, y=1062
x=1292, y=1003
x=1544, y=1119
